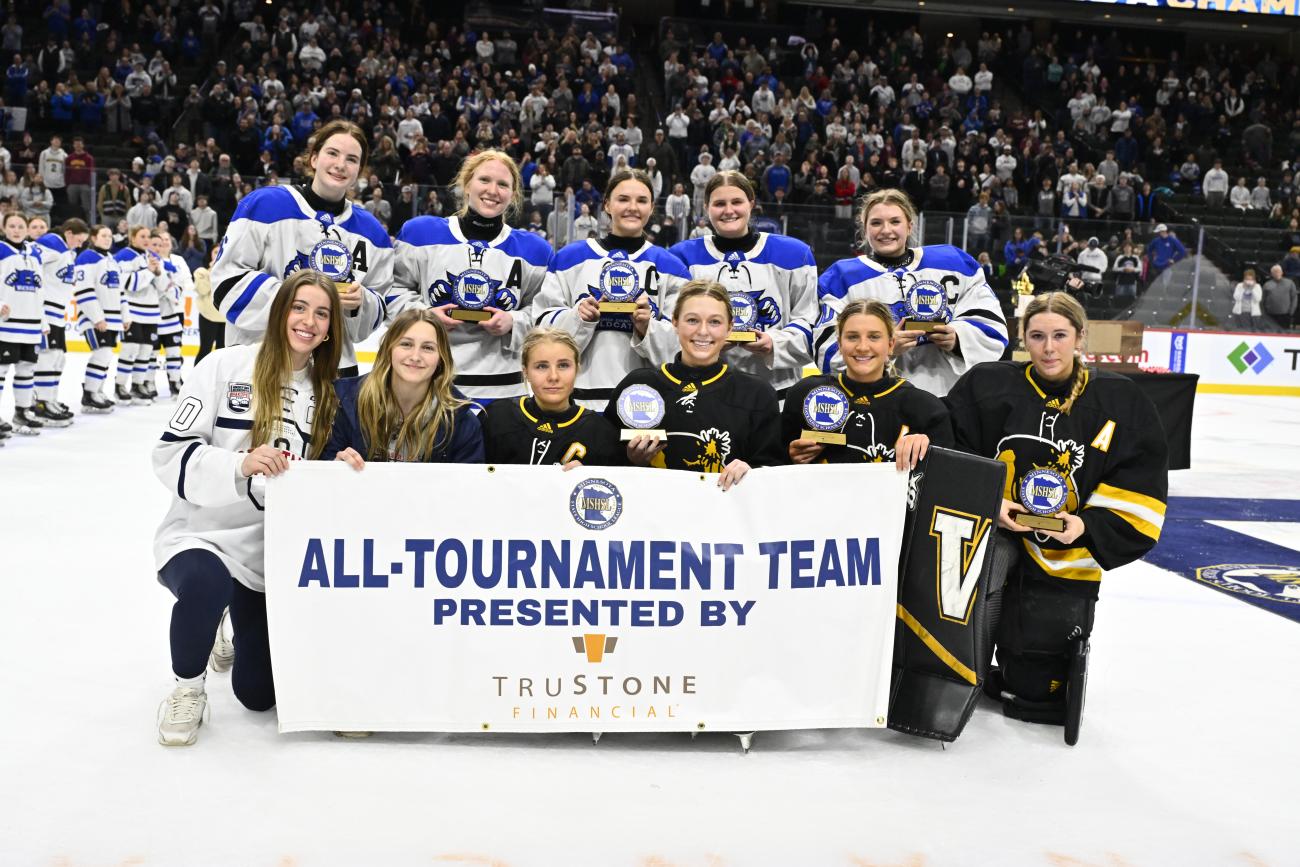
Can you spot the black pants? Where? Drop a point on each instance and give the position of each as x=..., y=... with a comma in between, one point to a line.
x=203, y=588
x=212, y=335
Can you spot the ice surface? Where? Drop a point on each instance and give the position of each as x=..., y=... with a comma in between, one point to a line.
x=1187, y=755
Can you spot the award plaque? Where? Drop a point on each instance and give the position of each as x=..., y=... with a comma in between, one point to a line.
x=641, y=408
x=620, y=285
x=331, y=258
x=1043, y=493
x=927, y=307
x=919, y=325
x=826, y=409
x=471, y=291
x=744, y=316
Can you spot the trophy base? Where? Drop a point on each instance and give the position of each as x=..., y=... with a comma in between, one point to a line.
x=617, y=306
x=631, y=433
x=460, y=314
x=826, y=437
x=742, y=336
x=1040, y=522
x=919, y=325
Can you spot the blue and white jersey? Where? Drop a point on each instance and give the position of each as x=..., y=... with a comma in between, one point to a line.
x=942, y=284
x=275, y=232
x=20, y=291
x=141, y=288
x=58, y=265
x=610, y=347
x=177, y=281
x=436, y=264
x=774, y=289
x=98, y=290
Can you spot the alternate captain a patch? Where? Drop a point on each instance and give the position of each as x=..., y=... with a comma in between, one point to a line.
x=239, y=397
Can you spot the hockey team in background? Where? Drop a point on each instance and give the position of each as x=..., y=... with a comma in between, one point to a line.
x=498, y=349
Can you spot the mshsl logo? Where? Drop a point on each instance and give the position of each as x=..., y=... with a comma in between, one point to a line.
x=1275, y=583
x=1246, y=357
x=596, y=504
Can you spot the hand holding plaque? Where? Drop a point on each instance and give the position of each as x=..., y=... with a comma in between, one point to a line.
x=927, y=307
x=744, y=316
x=1043, y=492
x=620, y=285
x=471, y=292
x=826, y=409
x=641, y=408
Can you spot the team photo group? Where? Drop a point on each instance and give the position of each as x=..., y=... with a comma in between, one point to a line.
x=612, y=351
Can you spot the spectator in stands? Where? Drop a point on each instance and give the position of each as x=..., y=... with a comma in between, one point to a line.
x=585, y=226
x=1017, y=251
x=114, y=199
x=1164, y=250
x=143, y=212
x=1215, y=185
x=35, y=200
x=1280, y=298
x=979, y=225
x=1127, y=268
x=173, y=215
x=79, y=169
x=1094, y=258
x=1189, y=173
x=1260, y=197
x=1121, y=200
x=1246, y=298
x=700, y=176
x=1074, y=203
x=1240, y=196
x=10, y=189
x=53, y=169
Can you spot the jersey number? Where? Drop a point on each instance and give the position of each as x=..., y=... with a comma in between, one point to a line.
x=186, y=413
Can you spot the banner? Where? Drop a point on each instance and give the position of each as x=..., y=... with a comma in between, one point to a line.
x=1228, y=362
x=456, y=598
x=1256, y=7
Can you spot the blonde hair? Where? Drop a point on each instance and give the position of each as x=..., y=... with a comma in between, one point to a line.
x=1062, y=304
x=273, y=368
x=706, y=289
x=471, y=165
x=885, y=196
x=433, y=420
x=538, y=336
x=866, y=307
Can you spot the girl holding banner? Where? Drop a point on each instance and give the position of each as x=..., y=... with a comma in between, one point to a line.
x=547, y=427
x=246, y=411
x=405, y=409
x=697, y=412
x=771, y=279
x=863, y=413
x=610, y=294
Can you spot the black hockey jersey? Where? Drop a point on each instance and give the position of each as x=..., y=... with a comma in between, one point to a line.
x=1106, y=462
x=878, y=414
x=713, y=415
x=518, y=431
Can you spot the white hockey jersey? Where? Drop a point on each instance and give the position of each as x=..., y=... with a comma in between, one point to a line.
x=778, y=275
x=942, y=284
x=610, y=348
x=20, y=290
x=58, y=269
x=435, y=262
x=177, y=281
x=198, y=459
x=275, y=232
x=141, y=288
x=98, y=290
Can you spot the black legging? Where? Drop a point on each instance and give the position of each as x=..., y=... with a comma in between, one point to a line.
x=203, y=588
x=212, y=335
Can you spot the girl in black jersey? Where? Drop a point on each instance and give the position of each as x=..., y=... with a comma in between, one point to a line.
x=546, y=427
x=717, y=419
x=883, y=418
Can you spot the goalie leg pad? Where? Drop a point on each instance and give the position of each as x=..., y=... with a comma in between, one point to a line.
x=1042, y=630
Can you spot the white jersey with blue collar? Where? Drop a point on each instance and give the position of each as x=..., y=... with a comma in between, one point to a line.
x=142, y=289
x=437, y=264
x=778, y=277
x=942, y=283
x=58, y=269
x=610, y=348
x=275, y=232
x=98, y=289
x=20, y=291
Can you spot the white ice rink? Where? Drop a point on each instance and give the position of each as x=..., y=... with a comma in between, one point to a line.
x=1188, y=754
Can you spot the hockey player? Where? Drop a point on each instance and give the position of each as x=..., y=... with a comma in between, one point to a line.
x=939, y=288
x=405, y=409
x=622, y=267
x=546, y=427
x=21, y=322
x=717, y=419
x=1081, y=445
x=246, y=411
x=142, y=288
x=473, y=261
x=277, y=230
x=58, y=256
x=98, y=291
x=772, y=280
x=881, y=417
x=171, y=325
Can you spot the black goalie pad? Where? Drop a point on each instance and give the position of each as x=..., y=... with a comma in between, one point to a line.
x=941, y=637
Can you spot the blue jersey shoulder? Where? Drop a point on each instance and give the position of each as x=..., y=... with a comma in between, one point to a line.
x=89, y=257
x=53, y=242
x=126, y=254
x=427, y=232
x=786, y=252
x=363, y=223
x=692, y=252
x=6, y=251
x=666, y=262
x=269, y=205
x=946, y=257
x=525, y=245
x=573, y=255
x=837, y=279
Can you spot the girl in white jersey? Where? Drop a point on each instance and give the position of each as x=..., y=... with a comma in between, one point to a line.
x=939, y=288
x=622, y=267
x=474, y=265
x=245, y=413
x=97, y=282
x=772, y=281
x=21, y=323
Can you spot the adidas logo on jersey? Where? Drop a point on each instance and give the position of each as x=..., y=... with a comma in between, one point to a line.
x=864, y=400
x=545, y=427
x=690, y=386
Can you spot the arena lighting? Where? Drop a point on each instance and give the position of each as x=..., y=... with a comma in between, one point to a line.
x=950, y=34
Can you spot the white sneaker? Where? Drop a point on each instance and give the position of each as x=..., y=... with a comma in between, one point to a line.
x=223, y=649
x=180, y=715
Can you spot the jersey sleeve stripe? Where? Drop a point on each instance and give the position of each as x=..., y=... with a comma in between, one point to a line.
x=250, y=292
x=185, y=459
x=831, y=348
x=806, y=332
x=234, y=423
x=983, y=314
x=169, y=437
x=1133, y=498
x=1072, y=564
x=984, y=327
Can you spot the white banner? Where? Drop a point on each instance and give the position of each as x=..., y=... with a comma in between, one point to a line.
x=459, y=598
x=1228, y=362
